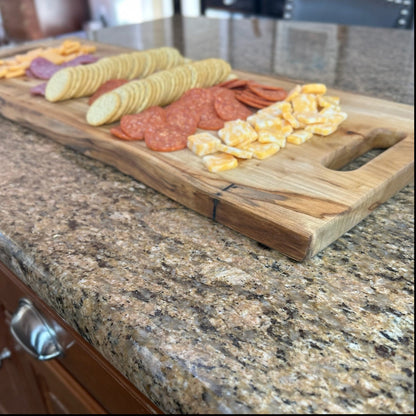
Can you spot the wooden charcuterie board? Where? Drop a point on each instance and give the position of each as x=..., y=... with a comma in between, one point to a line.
x=297, y=201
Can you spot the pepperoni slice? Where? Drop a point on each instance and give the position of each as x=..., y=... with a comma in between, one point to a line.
x=106, y=87
x=251, y=99
x=233, y=83
x=179, y=115
x=135, y=125
x=228, y=107
x=116, y=131
x=252, y=103
x=268, y=87
x=210, y=121
x=268, y=92
x=198, y=99
x=166, y=139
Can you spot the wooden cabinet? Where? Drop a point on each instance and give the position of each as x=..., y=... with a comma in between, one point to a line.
x=79, y=381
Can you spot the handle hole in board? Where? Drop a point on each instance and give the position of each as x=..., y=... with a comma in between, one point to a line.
x=360, y=152
x=361, y=160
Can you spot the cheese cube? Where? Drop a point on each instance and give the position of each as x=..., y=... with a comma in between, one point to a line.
x=333, y=115
x=299, y=136
x=328, y=100
x=263, y=150
x=322, y=129
x=275, y=135
x=314, y=88
x=203, y=143
x=305, y=103
x=295, y=91
x=235, y=151
x=311, y=118
x=218, y=162
x=260, y=121
x=276, y=109
x=292, y=120
x=237, y=131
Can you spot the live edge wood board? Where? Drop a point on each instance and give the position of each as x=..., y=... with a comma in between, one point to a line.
x=297, y=201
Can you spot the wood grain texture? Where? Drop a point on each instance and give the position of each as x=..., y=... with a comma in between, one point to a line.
x=296, y=202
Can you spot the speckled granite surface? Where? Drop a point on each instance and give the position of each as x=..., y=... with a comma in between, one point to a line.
x=200, y=318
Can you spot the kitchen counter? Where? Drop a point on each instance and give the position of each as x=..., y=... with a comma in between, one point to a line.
x=200, y=318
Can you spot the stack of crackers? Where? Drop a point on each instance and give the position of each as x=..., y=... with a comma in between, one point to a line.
x=160, y=88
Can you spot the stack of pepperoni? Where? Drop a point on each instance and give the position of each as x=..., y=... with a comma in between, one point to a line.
x=254, y=94
x=167, y=129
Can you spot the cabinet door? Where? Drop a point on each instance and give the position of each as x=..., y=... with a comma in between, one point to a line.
x=80, y=381
x=28, y=385
x=18, y=388
x=60, y=392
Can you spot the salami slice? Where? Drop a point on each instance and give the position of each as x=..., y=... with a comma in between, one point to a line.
x=106, y=87
x=228, y=107
x=135, y=125
x=166, y=139
x=179, y=115
x=81, y=60
x=116, y=131
x=38, y=89
x=29, y=73
x=42, y=68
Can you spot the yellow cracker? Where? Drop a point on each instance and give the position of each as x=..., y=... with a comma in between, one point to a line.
x=101, y=114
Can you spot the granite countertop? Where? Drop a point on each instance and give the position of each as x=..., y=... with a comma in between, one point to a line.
x=200, y=318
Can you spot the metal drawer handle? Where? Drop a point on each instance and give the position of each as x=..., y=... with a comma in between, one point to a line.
x=33, y=333
x=5, y=353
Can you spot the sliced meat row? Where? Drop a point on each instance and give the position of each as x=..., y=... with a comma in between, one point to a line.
x=167, y=129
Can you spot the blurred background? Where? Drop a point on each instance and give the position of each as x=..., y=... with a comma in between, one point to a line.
x=23, y=20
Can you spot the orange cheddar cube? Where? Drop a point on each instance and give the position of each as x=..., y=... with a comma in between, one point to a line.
x=203, y=143
x=305, y=103
x=314, y=88
x=264, y=120
x=294, y=92
x=263, y=150
x=237, y=131
x=235, y=151
x=328, y=101
x=312, y=118
x=219, y=162
x=322, y=129
x=292, y=120
x=299, y=136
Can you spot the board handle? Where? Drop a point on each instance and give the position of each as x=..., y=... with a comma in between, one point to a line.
x=376, y=139
x=394, y=166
